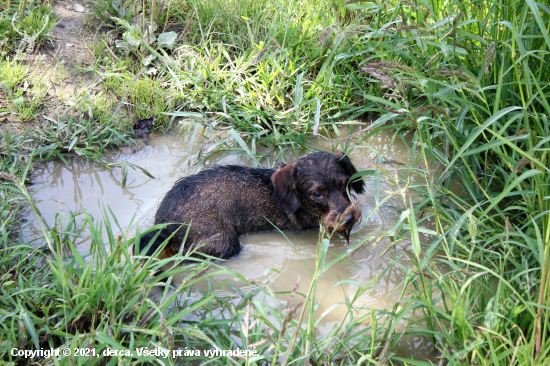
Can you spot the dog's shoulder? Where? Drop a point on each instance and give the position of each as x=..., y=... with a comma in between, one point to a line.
x=239, y=169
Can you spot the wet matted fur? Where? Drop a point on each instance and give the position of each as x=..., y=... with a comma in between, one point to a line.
x=219, y=204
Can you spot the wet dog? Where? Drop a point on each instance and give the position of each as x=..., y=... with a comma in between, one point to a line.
x=219, y=204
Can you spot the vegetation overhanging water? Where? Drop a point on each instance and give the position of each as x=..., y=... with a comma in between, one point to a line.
x=468, y=82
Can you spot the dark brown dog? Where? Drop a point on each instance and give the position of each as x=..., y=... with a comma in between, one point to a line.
x=222, y=203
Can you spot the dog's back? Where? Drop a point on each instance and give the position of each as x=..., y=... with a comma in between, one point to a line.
x=219, y=204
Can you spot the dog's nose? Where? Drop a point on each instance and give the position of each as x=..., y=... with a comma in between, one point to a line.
x=349, y=220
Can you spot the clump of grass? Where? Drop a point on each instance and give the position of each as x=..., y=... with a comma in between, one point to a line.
x=21, y=34
x=270, y=75
x=167, y=11
x=28, y=101
x=11, y=202
x=12, y=74
x=108, y=9
x=53, y=297
x=145, y=97
x=15, y=151
x=86, y=129
x=264, y=97
x=24, y=95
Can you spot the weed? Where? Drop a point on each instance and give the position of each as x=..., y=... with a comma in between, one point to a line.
x=28, y=101
x=25, y=96
x=20, y=34
x=12, y=74
x=481, y=116
x=146, y=97
x=86, y=129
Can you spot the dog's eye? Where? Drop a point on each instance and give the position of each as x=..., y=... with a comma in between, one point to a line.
x=317, y=195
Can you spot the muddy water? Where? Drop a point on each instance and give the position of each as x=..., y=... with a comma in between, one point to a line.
x=266, y=256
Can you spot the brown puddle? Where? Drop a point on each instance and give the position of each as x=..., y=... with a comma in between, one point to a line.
x=265, y=256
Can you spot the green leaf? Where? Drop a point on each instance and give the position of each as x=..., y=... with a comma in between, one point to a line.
x=30, y=327
x=132, y=38
x=317, y=116
x=383, y=119
x=5, y=88
x=242, y=144
x=540, y=22
x=18, y=101
x=148, y=59
x=124, y=173
x=184, y=114
x=167, y=39
x=474, y=135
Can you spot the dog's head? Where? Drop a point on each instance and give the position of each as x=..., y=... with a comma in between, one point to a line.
x=318, y=184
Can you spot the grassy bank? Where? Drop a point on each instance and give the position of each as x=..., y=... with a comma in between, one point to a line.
x=469, y=82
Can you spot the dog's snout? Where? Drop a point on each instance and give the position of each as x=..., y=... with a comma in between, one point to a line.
x=349, y=220
x=341, y=219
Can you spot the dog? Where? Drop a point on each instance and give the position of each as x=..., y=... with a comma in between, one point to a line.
x=211, y=209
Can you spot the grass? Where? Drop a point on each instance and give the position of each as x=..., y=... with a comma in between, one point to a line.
x=86, y=300
x=24, y=96
x=483, y=123
x=24, y=27
x=146, y=97
x=86, y=130
x=468, y=81
x=54, y=297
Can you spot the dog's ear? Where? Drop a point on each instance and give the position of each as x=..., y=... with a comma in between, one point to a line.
x=357, y=185
x=284, y=189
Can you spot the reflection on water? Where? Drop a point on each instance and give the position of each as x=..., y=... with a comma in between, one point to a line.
x=266, y=256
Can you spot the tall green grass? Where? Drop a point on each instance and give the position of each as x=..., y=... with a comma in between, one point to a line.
x=54, y=297
x=268, y=73
x=468, y=81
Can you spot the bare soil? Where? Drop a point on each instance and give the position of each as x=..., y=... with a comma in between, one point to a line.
x=61, y=62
